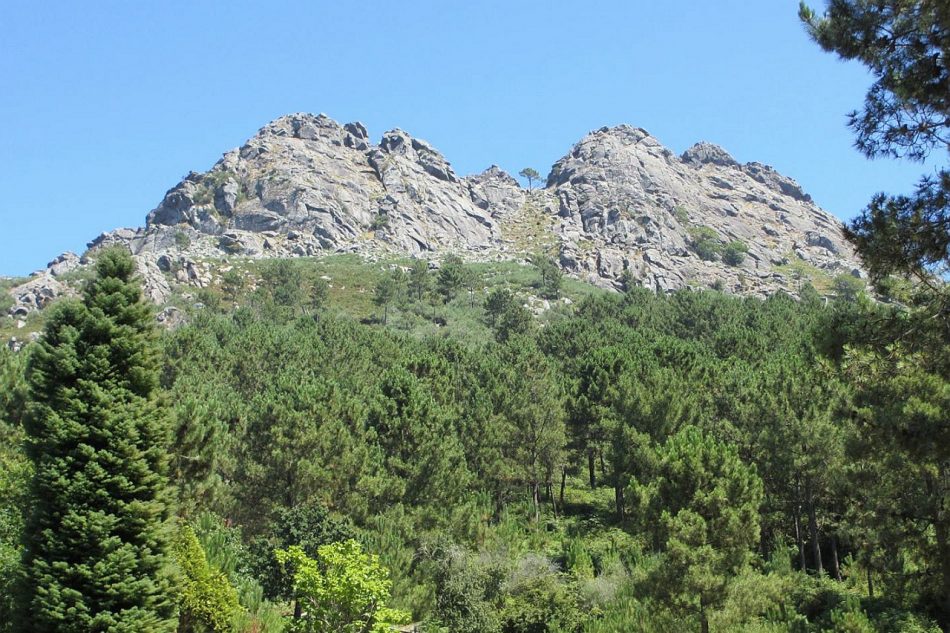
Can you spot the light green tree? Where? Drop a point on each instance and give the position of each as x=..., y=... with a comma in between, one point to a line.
x=207, y=600
x=342, y=590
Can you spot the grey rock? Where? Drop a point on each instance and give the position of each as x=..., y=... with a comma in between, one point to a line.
x=65, y=263
x=776, y=181
x=37, y=293
x=495, y=191
x=814, y=238
x=707, y=153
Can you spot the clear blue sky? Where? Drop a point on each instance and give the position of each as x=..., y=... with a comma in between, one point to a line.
x=105, y=105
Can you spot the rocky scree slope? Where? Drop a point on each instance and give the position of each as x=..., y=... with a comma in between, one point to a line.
x=305, y=185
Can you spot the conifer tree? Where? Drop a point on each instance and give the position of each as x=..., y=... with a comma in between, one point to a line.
x=96, y=538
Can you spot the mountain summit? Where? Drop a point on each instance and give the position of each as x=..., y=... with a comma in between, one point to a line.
x=305, y=185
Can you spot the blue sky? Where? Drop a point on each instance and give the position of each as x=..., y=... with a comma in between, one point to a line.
x=106, y=105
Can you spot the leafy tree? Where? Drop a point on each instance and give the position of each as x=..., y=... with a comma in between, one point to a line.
x=343, y=589
x=706, y=503
x=530, y=174
x=906, y=46
x=451, y=277
x=305, y=526
x=466, y=590
x=96, y=551
x=497, y=303
x=420, y=281
x=388, y=291
x=539, y=598
x=208, y=602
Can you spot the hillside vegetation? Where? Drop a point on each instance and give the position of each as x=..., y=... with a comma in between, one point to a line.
x=463, y=449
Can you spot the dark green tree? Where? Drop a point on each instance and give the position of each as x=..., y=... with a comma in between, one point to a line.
x=319, y=293
x=283, y=283
x=14, y=477
x=551, y=276
x=96, y=538
x=420, y=281
x=906, y=46
x=533, y=404
x=451, y=277
x=706, y=506
x=530, y=174
x=388, y=290
x=902, y=444
x=516, y=320
x=232, y=284
x=497, y=302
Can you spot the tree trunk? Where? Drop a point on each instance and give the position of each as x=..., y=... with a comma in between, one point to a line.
x=591, y=468
x=535, y=497
x=834, y=558
x=703, y=621
x=798, y=537
x=563, y=483
x=813, y=528
x=870, y=583
x=943, y=551
x=618, y=497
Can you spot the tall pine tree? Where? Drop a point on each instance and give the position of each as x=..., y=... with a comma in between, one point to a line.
x=96, y=537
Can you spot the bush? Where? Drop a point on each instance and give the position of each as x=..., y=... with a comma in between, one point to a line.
x=848, y=287
x=182, y=241
x=380, y=222
x=706, y=243
x=207, y=600
x=734, y=252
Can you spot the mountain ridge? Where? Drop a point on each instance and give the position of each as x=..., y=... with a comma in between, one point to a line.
x=617, y=203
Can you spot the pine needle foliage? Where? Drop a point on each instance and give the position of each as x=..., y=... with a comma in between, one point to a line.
x=96, y=538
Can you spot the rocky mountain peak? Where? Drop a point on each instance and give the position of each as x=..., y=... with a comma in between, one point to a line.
x=619, y=200
x=703, y=153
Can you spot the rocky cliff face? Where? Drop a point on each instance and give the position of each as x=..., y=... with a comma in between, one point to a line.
x=305, y=185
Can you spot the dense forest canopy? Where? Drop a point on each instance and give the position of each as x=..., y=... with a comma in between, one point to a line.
x=640, y=462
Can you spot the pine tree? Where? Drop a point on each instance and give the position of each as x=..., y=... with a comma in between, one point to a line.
x=96, y=539
x=906, y=46
x=706, y=506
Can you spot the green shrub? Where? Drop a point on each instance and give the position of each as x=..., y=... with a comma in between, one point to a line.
x=705, y=243
x=380, y=222
x=207, y=600
x=848, y=287
x=734, y=252
x=679, y=212
x=182, y=241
